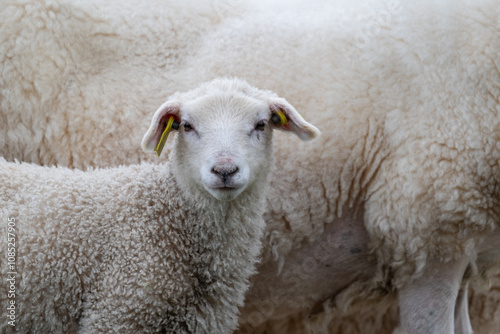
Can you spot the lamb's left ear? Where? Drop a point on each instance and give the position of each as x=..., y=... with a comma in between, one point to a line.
x=285, y=117
x=165, y=119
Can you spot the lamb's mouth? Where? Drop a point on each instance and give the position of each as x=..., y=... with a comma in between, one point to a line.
x=225, y=192
x=226, y=188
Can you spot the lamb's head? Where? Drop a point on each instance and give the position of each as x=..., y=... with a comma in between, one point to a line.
x=224, y=135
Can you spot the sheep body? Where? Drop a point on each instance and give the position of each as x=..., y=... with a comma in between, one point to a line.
x=411, y=142
x=93, y=247
x=87, y=249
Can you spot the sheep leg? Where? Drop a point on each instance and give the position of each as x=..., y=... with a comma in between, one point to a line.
x=427, y=304
x=462, y=320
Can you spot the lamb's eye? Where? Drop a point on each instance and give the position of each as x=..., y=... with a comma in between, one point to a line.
x=187, y=127
x=260, y=126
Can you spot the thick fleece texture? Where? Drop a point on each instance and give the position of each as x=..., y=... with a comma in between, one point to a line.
x=56, y=57
x=407, y=97
x=123, y=250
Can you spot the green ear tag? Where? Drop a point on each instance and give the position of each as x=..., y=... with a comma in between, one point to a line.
x=282, y=117
x=164, y=136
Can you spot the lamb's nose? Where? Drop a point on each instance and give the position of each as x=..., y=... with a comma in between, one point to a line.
x=225, y=171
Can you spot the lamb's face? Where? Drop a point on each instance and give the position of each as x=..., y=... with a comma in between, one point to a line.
x=224, y=144
x=224, y=129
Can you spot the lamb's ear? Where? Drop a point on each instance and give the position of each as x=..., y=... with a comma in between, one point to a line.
x=166, y=118
x=284, y=117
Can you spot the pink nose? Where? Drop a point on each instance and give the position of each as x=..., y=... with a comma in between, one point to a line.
x=224, y=160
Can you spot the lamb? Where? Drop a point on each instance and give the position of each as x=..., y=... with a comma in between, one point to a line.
x=375, y=82
x=152, y=247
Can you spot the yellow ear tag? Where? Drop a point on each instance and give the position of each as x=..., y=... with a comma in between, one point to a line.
x=282, y=117
x=164, y=136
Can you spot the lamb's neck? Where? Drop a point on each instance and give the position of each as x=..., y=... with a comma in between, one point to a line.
x=226, y=242
x=203, y=214
x=234, y=225
x=226, y=219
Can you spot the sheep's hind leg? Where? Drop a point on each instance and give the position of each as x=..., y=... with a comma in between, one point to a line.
x=427, y=304
x=462, y=319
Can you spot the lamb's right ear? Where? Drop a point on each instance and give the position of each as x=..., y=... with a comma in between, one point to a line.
x=286, y=118
x=166, y=118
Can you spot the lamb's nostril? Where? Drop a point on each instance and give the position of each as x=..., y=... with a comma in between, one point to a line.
x=234, y=171
x=225, y=171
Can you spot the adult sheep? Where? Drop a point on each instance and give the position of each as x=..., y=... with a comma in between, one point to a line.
x=147, y=248
x=375, y=81
x=413, y=136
